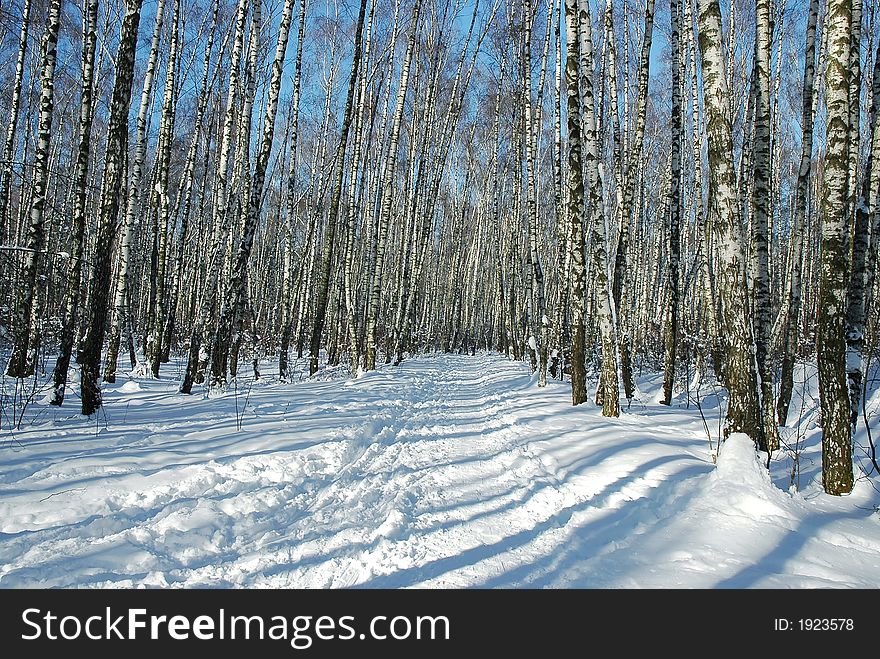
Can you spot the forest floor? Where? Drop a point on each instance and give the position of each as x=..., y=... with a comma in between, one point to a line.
x=447, y=471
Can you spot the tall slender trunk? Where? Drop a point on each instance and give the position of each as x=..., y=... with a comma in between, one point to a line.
x=709, y=299
x=608, y=391
x=854, y=88
x=798, y=227
x=226, y=340
x=166, y=135
x=349, y=292
x=121, y=310
x=283, y=367
x=761, y=185
x=234, y=298
x=80, y=194
x=220, y=219
x=856, y=309
x=185, y=192
x=28, y=313
x=6, y=160
x=387, y=190
x=837, y=471
x=871, y=261
x=743, y=409
x=621, y=301
x=496, y=209
x=562, y=251
x=575, y=205
x=114, y=163
x=330, y=230
x=632, y=155
x=674, y=233
x=540, y=321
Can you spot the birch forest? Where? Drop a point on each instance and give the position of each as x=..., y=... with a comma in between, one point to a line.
x=190, y=189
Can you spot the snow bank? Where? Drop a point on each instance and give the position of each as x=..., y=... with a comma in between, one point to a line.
x=130, y=387
x=741, y=482
x=738, y=462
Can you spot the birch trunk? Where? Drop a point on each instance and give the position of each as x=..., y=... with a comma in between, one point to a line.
x=608, y=390
x=323, y=282
x=283, y=367
x=14, y=107
x=874, y=183
x=790, y=333
x=234, y=298
x=387, y=184
x=166, y=135
x=674, y=234
x=540, y=322
x=114, y=164
x=186, y=189
x=575, y=205
x=80, y=194
x=353, y=208
x=197, y=355
x=743, y=410
x=633, y=157
x=761, y=185
x=837, y=472
x=562, y=252
x=855, y=106
x=28, y=318
x=121, y=311
x=856, y=310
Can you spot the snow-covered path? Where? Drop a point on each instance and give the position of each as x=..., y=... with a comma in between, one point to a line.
x=446, y=471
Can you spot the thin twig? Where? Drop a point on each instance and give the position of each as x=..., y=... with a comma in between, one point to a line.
x=55, y=494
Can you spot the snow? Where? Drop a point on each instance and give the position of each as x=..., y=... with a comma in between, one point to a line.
x=130, y=387
x=446, y=471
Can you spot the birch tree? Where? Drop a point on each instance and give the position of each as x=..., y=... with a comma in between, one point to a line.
x=163, y=210
x=80, y=194
x=15, y=105
x=220, y=211
x=608, y=391
x=743, y=407
x=674, y=234
x=120, y=311
x=114, y=163
x=28, y=313
x=330, y=230
x=760, y=223
x=290, y=206
x=387, y=189
x=633, y=157
x=857, y=294
x=235, y=289
x=837, y=473
x=575, y=203
x=790, y=333
x=185, y=200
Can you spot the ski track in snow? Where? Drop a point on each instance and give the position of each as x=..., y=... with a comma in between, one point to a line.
x=447, y=471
